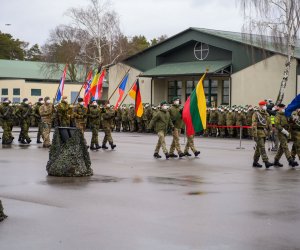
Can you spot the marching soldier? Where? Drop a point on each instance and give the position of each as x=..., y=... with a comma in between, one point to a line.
x=23, y=113
x=176, y=118
x=36, y=114
x=63, y=112
x=80, y=115
x=46, y=111
x=6, y=115
x=107, y=117
x=190, y=145
x=261, y=126
x=282, y=126
x=161, y=122
x=95, y=117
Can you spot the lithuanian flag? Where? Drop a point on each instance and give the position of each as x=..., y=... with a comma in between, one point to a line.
x=194, y=110
x=135, y=94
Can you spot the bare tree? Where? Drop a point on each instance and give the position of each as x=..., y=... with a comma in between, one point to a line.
x=100, y=26
x=274, y=24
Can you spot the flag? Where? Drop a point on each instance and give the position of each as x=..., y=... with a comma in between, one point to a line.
x=96, y=85
x=135, y=94
x=194, y=110
x=61, y=85
x=295, y=104
x=87, y=87
x=121, y=90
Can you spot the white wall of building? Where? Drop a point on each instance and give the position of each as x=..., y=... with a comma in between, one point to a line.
x=262, y=81
x=47, y=89
x=116, y=74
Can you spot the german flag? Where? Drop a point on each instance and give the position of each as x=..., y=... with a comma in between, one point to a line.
x=135, y=94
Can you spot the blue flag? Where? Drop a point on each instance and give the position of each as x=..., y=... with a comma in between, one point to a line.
x=295, y=104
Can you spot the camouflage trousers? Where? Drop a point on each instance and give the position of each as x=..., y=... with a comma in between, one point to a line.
x=230, y=130
x=118, y=125
x=46, y=128
x=260, y=149
x=190, y=144
x=283, y=148
x=175, y=142
x=95, y=130
x=125, y=126
x=161, y=142
x=132, y=125
x=107, y=136
x=40, y=130
x=81, y=126
x=24, y=130
x=64, y=122
x=7, y=135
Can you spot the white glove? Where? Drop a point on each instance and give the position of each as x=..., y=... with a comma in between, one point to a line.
x=285, y=132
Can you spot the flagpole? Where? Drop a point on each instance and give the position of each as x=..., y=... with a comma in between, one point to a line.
x=127, y=93
x=118, y=85
x=79, y=93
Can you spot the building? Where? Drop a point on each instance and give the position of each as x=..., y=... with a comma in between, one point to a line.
x=238, y=74
x=20, y=79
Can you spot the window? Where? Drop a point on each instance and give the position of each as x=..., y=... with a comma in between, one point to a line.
x=225, y=92
x=190, y=86
x=174, y=89
x=16, y=100
x=36, y=92
x=214, y=87
x=201, y=51
x=206, y=87
x=16, y=91
x=4, y=91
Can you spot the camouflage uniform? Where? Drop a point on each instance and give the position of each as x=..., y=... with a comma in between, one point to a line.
x=249, y=122
x=281, y=124
x=213, y=120
x=147, y=116
x=80, y=115
x=36, y=114
x=63, y=114
x=161, y=122
x=295, y=134
x=24, y=113
x=176, y=118
x=260, y=125
x=107, y=117
x=230, y=121
x=131, y=117
x=46, y=111
x=95, y=117
x=222, y=122
x=125, y=122
x=240, y=120
x=190, y=145
x=118, y=119
x=6, y=116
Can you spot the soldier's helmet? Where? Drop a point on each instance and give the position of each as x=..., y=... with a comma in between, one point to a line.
x=46, y=98
x=40, y=99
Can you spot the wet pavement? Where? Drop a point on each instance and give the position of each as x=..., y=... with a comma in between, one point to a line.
x=133, y=201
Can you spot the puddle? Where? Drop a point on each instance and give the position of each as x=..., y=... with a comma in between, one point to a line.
x=181, y=181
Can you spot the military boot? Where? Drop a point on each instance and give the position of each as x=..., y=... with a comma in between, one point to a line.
x=293, y=163
x=28, y=140
x=277, y=164
x=38, y=140
x=187, y=154
x=156, y=155
x=256, y=164
x=197, y=153
x=98, y=146
x=181, y=154
x=104, y=146
x=112, y=145
x=23, y=141
x=92, y=147
x=268, y=164
x=167, y=156
x=172, y=155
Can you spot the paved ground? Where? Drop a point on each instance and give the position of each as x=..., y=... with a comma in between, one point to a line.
x=216, y=201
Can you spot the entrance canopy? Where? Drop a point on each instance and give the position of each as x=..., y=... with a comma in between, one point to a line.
x=187, y=68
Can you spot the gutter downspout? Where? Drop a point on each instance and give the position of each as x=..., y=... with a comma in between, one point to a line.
x=151, y=94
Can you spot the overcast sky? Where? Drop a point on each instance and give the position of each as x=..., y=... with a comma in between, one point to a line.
x=32, y=20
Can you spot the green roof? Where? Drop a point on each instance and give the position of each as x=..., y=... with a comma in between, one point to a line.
x=186, y=68
x=25, y=70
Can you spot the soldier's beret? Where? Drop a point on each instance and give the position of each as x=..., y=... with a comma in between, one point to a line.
x=41, y=99
x=261, y=103
x=46, y=98
x=163, y=102
x=80, y=99
x=175, y=98
x=25, y=99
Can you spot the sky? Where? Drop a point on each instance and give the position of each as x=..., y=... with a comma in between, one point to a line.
x=32, y=20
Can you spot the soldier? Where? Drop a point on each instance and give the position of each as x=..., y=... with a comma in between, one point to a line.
x=147, y=116
x=282, y=126
x=190, y=145
x=230, y=121
x=261, y=126
x=63, y=112
x=131, y=117
x=161, y=122
x=80, y=115
x=95, y=117
x=118, y=119
x=7, y=116
x=249, y=121
x=36, y=114
x=46, y=111
x=24, y=112
x=240, y=120
x=125, y=122
x=222, y=122
x=107, y=116
x=213, y=121
x=295, y=133
x=176, y=118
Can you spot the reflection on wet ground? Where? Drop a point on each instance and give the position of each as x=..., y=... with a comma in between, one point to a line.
x=181, y=181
